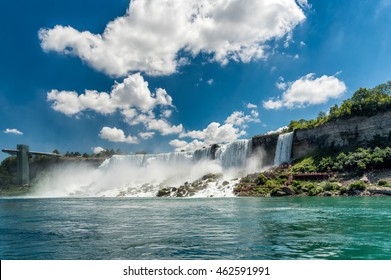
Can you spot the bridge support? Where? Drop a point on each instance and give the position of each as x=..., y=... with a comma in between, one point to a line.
x=22, y=154
x=23, y=170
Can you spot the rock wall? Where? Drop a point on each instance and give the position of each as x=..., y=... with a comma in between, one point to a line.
x=341, y=133
x=332, y=135
x=265, y=146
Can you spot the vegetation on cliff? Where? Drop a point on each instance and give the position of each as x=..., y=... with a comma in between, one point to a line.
x=358, y=160
x=364, y=102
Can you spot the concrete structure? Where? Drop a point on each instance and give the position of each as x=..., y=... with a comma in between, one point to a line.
x=23, y=153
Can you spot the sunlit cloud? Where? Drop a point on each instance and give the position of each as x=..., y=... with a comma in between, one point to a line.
x=156, y=37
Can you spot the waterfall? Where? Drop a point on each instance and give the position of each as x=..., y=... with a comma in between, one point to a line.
x=210, y=171
x=203, y=154
x=283, y=148
x=234, y=154
x=143, y=160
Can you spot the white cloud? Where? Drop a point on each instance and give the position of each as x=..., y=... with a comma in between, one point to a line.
x=251, y=106
x=156, y=37
x=146, y=135
x=166, y=113
x=306, y=91
x=132, y=98
x=163, y=126
x=186, y=146
x=13, y=131
x=116, y=135
x=215, y=133
x=151, y=123
x=304, y=4
x=272, y=104
x=281, y=85
x=97, y=150
x=133, y=92
x=238, y=118
x=211, y=81
x=279, y=130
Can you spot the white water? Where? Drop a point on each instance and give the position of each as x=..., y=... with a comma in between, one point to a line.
x=283, y=149
x=142, y=175
x=235, y=154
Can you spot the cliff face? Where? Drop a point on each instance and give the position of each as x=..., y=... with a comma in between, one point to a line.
x=265, y=145
x=341, y=133
x=336, y=134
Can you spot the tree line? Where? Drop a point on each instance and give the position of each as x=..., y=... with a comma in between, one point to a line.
x=364, y=102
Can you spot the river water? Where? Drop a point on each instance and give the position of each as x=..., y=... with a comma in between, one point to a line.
x=196, y=228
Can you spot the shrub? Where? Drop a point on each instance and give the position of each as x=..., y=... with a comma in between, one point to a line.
x=358, y=185
x=331, y=186
x=384, y=183
x=261, y=180
x=271, y=184
x=314, y=189
x=305, y=165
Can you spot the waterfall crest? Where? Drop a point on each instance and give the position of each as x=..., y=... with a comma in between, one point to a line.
x=234, y=154
x=210, y=171
x=283, y=149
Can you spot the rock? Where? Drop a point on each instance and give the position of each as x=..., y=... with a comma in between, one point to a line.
x=364, y=179
x=279, y=193
x=121, y=194
x=327, y=193
x=212, y=176
x=163, y=192
x=380, y=191
x=225, y=183
x=288, y=190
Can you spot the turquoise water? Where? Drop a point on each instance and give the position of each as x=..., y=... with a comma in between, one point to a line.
x=205, y=228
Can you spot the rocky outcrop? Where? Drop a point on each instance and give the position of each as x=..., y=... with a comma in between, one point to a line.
x=190, y=189
x=341, y=133
x=265, y=145
x=356, y=131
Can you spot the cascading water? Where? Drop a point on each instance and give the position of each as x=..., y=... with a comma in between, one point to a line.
x=141, y=160
x=143, y=175
x=283, y=149
x=203, y=154
x=234, y=154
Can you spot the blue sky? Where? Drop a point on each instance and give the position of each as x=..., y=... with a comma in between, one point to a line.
x=162, y=75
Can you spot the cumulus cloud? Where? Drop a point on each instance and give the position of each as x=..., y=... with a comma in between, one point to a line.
x=251, y=106
x=215, y=133
x=304, y=4
x=231, y=130
x=133, y=92
x=279, y=130
x=116, y=135
x=146, y=135
x=156, y=37
x=132, y=98
x=238, y=118
x=306, y=91
x=150, y=121
x=181, y=145
x=13, y=131
x=97, y=150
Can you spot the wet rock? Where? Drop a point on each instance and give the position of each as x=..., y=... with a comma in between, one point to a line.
x=364, y=179
x=163, y=192
x=327, y=193
x=278, y=193
x=288, y=190
x=212, y=176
